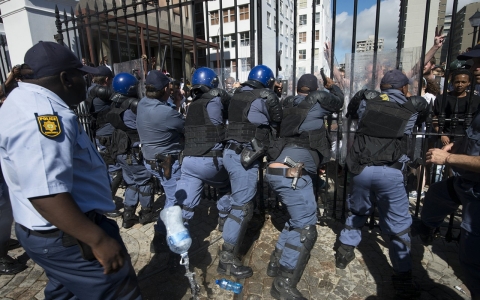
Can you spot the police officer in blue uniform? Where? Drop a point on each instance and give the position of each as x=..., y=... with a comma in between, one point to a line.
x=305, y=144
x=98, y=104
x=161, y=136
x=376, y=160
x=444, y=197
x=125, y=146
x=202, y=157
x=59, y=186
x=253, y=109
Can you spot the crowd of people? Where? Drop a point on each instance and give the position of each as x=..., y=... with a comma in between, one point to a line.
x=60, y=187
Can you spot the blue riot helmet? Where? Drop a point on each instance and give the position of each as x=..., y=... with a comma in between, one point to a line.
x=125, y=84
x=205, y=76
x=263, y=75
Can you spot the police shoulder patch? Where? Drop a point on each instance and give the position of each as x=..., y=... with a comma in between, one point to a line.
x=384, y=97
x=49, y=125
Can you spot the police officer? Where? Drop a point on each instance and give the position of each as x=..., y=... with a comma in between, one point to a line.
x=252, y=110
x=204, y=134
x=160, y=128
x=59, y=185
x=305, y=146
x=125, y=146
x=98, y=104
x=444, y=197
x=376, y=160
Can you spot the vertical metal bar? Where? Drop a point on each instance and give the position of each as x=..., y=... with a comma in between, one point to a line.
x=171, y=43
x=99, y=29
x=208, y=33
x=314, y=10
x=334, y=20
x=65, y=19
x=4, y=71
x=89, y=35
x=157, y=20
x=116, y=30
x=237, y=17
x=403, y=4
x=260, y=32
x=134, y=3
x=194, y=25
x=222, y=43
x=277, y=34
x=127, y=32
x=183, y=41
x=145, y=12
x=77, y=40
x=295, y=54
x=105, y=12
x=252, y=33
x=424, y=47
x=474, y=36
x=58, y=23
x=81, y=32
x=354, y=42
x=375, y=46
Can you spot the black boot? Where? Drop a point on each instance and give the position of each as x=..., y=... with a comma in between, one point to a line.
x=8, y=265
x=425, y=233
x=344, y=255
x=273, y=267
x=405, y=287
x=129, y=217
x=146, y=215
x=229, y=264
x=221, y=222
x=116, y=181
x=159, y=243
x=13, y=244
x=284, y=286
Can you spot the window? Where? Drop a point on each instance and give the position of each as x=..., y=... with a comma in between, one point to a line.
x=244, y=12
x=232, y=64
x=269, y=22
x=281, y=6
x=214, y=18
x=229, y=15
x=291, y=52
x=286, y=29
x=302, y=54
x=286, y=51
x=229, y=41
x=302, y=4
x=291, y=14
x=245, y=64
x=281, y=47
x=302, y=20
x=317, y=35
x=281, y=27
x=214, y=39
x=269, y=2
x=275, y=21
x=317, y=53
x=244, y=38
x=302, y=37
x=317, y=18
x=318, y=2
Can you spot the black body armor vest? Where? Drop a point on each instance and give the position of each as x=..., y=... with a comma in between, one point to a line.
x=239, y=127
x=380, y=138
x=201, y=134
x=293, y=118
x=115, y=117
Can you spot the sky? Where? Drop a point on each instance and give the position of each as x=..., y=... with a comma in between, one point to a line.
x=389, y=11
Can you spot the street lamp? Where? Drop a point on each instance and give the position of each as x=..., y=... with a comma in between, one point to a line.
x=475, y=22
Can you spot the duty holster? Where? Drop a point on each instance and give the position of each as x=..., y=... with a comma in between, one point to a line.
x=85, y=250
x=248, y=157
x=165, y=162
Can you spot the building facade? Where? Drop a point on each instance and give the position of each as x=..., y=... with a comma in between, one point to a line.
x=368, y=45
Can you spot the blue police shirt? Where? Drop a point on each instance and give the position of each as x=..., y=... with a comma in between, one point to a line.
x=35, y=165
x=313, y=121
x=160, y=128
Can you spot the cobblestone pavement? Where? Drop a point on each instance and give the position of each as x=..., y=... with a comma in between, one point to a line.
x=436, y=268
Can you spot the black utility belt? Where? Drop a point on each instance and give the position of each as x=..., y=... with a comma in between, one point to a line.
x=283, y=172
x=396, y=165
x=232, y=146
x=216, y=153
x=67, y=239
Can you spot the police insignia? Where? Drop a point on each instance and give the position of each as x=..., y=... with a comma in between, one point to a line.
x=49, y=125
x=384, y=97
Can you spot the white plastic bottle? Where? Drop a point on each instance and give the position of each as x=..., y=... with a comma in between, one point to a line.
x=178, y=237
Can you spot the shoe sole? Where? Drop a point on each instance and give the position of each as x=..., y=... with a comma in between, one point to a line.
x=272, y=273
x=223, y=272
x=274, y=293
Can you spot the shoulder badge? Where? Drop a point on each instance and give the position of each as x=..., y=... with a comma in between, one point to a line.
x=384, y=97
x=49, y=125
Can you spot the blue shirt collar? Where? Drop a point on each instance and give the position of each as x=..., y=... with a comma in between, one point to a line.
x=43, y=91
